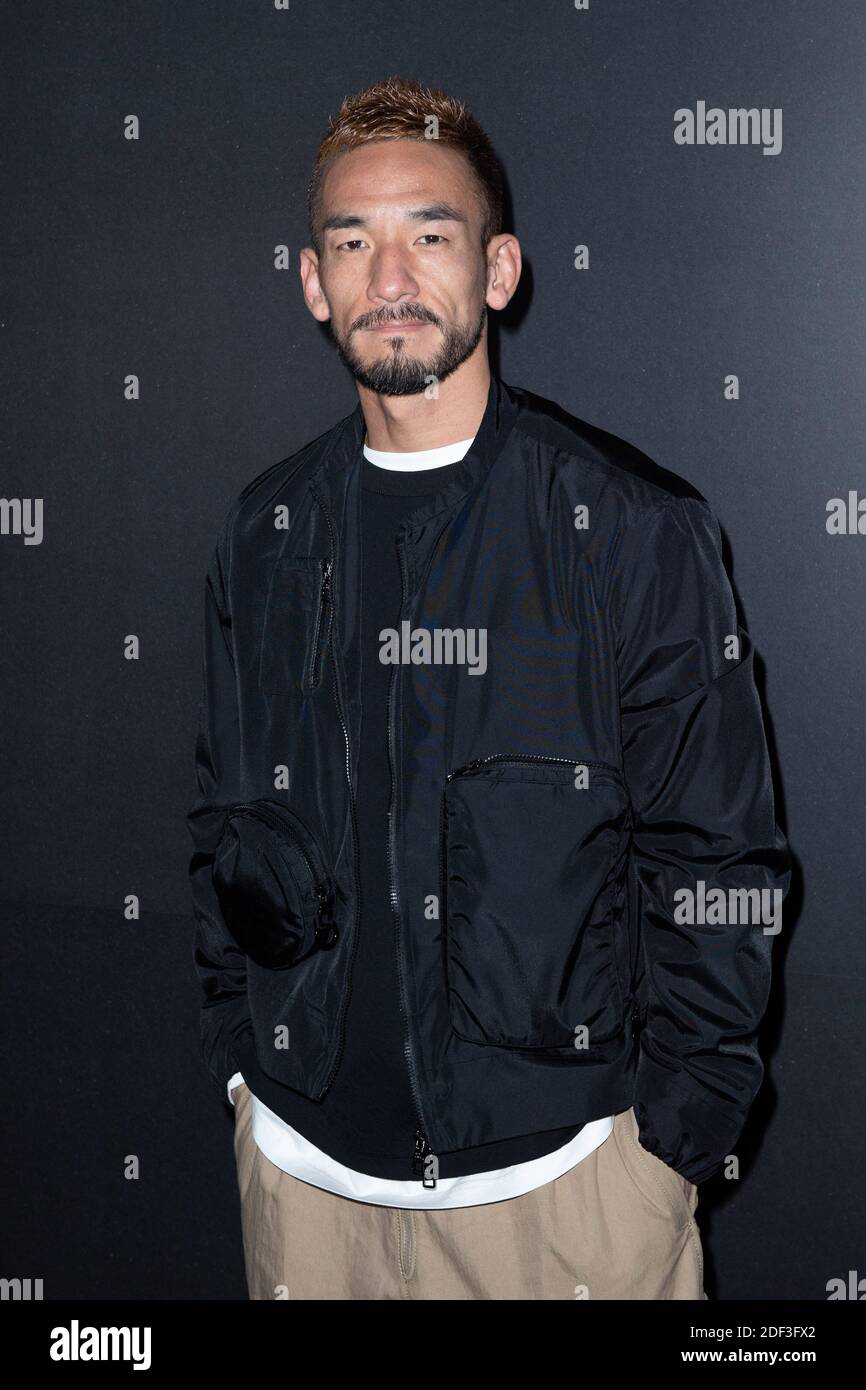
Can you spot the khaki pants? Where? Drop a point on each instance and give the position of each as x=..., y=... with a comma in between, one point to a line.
x=619, y=1225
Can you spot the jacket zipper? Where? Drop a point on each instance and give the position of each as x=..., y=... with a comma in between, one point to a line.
x=356, y=867
x=324, y=602
x=421, y=1150
x=531, y=758
x=321, y=886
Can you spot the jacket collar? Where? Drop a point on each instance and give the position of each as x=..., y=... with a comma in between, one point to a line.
x=342, y=459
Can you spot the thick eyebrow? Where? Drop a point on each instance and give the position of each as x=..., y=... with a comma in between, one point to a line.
x=434, y=212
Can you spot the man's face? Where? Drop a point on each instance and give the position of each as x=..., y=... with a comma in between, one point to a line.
x=402, y=274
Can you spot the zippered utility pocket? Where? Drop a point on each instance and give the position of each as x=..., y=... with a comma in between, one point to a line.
x=296, y=625
x=273, y=887
x=534, y=859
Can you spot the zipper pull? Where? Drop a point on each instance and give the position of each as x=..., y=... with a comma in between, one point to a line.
x=421, y=1153
x=467, y=767
x=635, y=1021
x=326, y=929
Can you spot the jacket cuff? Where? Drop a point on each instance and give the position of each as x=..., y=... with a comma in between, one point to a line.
x=687, y=1129
x=222, y=1044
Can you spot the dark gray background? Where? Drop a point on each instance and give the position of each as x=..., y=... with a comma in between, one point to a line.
x=156, y=257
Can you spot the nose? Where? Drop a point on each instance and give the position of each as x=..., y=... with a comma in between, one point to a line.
x=391, y=278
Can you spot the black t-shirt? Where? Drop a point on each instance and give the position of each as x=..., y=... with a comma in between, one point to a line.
x=367, y=1120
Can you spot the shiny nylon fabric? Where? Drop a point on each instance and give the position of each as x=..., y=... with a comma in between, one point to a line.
x=606, y=646
x=700, y=783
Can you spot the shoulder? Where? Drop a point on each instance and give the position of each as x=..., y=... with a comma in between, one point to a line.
x=281, y=483
x=600, y=462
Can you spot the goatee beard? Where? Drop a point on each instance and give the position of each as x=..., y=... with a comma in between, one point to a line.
x=400, y=373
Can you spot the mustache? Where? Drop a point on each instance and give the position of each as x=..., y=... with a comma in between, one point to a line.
x=411, y=313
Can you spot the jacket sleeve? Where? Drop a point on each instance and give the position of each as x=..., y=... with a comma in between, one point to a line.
x=219, y=964
x=697, y=766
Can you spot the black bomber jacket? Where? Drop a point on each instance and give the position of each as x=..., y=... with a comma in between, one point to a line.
x=582, y=839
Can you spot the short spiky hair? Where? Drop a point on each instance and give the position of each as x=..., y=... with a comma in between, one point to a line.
x=398, y=108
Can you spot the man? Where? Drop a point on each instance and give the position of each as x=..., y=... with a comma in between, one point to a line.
x=485, y=841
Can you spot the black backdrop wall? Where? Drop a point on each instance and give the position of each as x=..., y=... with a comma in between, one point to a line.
x=155, y=257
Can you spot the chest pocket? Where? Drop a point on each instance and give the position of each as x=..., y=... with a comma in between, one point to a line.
x=296, y=625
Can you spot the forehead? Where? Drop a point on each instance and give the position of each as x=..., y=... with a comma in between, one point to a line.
x=383, y=174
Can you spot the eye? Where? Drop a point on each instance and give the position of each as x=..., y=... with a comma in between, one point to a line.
x=357, y=242
x=434, y=235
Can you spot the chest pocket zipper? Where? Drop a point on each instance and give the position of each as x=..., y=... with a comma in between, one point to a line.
x=297, y=625
x=476, y=763
x=322, y=626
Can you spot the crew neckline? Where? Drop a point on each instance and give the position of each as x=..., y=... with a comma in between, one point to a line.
x=413, y=461
x=410, y=473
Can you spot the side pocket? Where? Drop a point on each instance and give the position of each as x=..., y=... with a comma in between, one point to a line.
x=239, y=1098
x=273, y=886
x=657, y=1182
x=534, y=852
x=281, y=903
x=245, y=1147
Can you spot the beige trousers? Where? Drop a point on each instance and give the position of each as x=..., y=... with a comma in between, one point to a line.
x=619, y=1225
